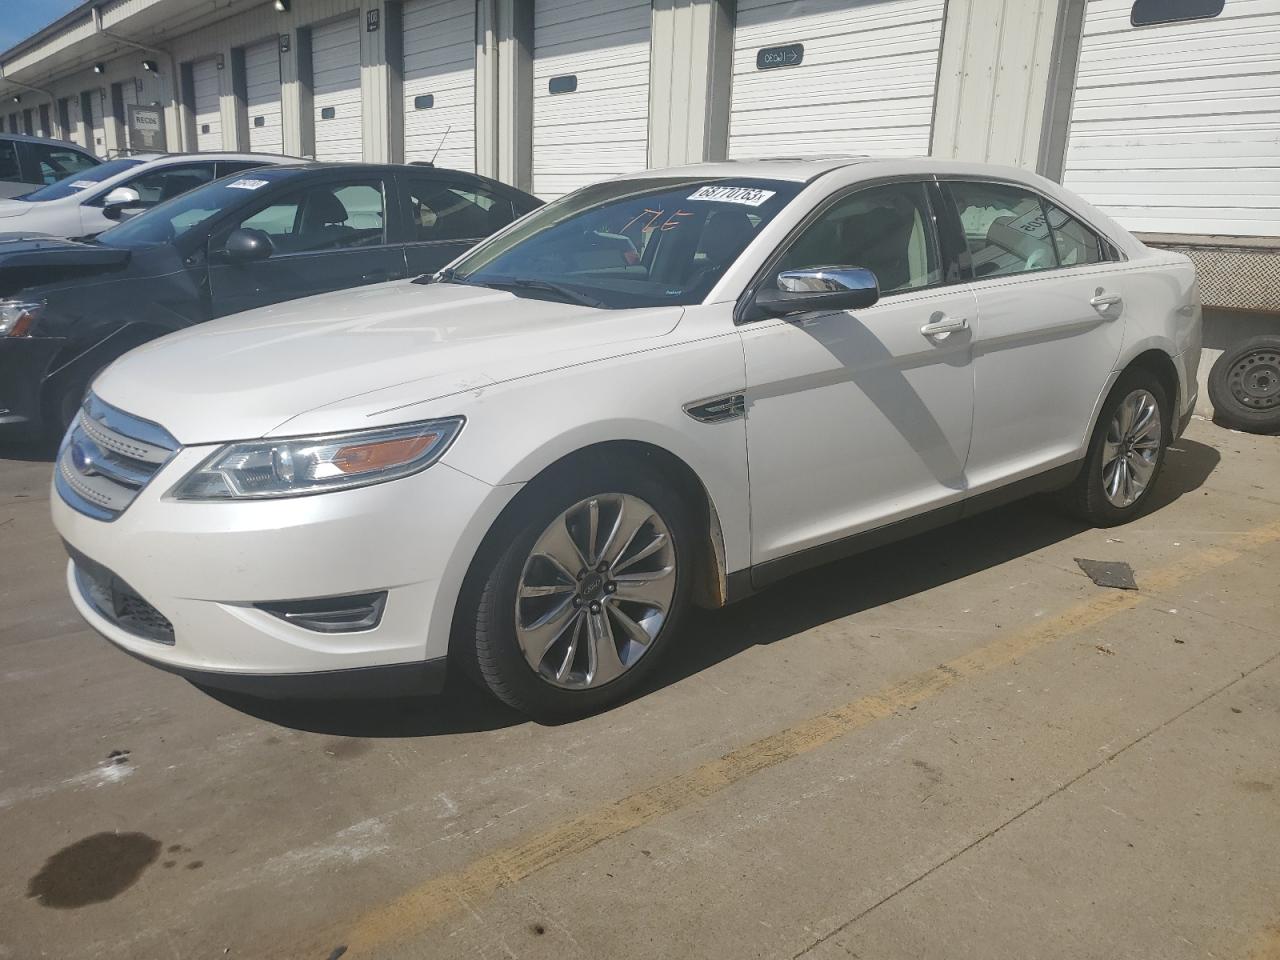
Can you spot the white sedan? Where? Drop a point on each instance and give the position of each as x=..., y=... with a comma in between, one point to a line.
x=670, y=389
x=89, y=202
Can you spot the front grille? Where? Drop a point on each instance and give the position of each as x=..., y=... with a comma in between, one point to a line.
x=118, y=602
x=107, y=457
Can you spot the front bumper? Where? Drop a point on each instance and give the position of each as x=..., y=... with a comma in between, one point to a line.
x=24, y=363
x=202, y=567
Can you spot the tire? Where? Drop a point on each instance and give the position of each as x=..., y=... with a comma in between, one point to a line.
x=1100, y=494
x=505, y=614
x=1244, y=386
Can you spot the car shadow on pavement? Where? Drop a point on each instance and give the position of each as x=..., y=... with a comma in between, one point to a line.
x=42, y=452
x=799, y=603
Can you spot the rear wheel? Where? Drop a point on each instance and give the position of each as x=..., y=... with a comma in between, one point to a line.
x=1244, y=386
x=1126, y=452
x=583, y=594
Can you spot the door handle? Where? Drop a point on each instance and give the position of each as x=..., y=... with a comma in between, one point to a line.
x=1105, y=300
x=941, y=329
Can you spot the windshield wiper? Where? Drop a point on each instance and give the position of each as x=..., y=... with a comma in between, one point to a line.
x=567, y=294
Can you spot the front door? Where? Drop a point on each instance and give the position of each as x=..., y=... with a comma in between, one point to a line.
x=1050, y=324
x=859, y=418
x=329, y=235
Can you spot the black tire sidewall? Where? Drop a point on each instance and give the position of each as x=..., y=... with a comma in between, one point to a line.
x=498, y=659
x=1226, y=408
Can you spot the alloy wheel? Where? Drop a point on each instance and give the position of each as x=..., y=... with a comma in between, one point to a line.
x=595, y=591
x=1131, y=450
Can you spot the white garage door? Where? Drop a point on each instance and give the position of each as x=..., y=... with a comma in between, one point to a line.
x=440, y=82
x=595, y=55
x=98, y=132
x=855, y=77
x=1176, y=127
x=335, y=66
x=128, y=95
x=205, y=79
x=262, y=96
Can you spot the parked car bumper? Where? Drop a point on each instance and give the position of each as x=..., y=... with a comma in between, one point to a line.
x=187, y=585
x=24, y=363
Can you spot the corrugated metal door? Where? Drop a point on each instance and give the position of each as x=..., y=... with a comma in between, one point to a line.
x=440, y=82
x=128, y=95
x=814, y=77
x=1176, y=127
x=335, y=65
x=205, y=81
x=262, y=96
x=97, y=126
x=595, y=125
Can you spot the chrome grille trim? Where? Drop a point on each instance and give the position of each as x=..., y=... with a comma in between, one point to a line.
x=107, y=458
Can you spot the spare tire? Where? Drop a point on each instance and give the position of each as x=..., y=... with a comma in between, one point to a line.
x=1244, y=385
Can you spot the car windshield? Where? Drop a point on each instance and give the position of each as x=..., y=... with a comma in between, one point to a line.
x=173, y=219
x=629, y=243
x=80, y=181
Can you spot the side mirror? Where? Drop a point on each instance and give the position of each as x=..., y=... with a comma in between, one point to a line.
x=820, y=288
x=118, y=201
x=244, y=245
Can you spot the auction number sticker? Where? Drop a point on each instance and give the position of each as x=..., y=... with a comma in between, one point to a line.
x=84, y=184
x=747, y=196
x=247, y=184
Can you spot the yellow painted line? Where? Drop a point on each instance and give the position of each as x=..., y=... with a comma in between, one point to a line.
x=436, y=899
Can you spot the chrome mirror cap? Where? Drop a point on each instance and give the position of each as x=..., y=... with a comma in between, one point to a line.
x=828, y=280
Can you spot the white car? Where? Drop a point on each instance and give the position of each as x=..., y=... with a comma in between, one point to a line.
x=669, y=389
x=98, y=198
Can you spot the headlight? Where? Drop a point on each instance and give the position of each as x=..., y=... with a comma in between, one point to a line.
x=296, y=466
x=18, y=316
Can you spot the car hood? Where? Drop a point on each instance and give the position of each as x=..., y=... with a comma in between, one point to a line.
x=360, y=353
x=14, y=208
x=28, y=260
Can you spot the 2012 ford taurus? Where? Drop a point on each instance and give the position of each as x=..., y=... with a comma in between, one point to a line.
x=665, y=390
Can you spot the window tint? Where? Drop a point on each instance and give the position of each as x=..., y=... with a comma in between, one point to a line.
x=227, y=167
x=1005, y=228
x=1146, y=13
x=1076, y=244
x=156, y=186
x=9, y=161
x=49, y=164
x=332, y=216
x=438, y=211
x=884, y=229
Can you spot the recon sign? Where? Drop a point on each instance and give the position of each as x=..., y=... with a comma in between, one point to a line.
x=146, y=126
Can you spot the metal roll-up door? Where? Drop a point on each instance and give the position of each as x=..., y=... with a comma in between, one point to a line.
x=1175, y=127
x=440, y=82
x=815, y=77
x=206, y=83
x=590, y=91
x=262, y=96
x=96, y=122
x=335, y=66
x=128, y=95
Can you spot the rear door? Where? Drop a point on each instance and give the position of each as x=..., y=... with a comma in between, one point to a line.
x=1050, y=324
x=330, y=234
x=444, y=216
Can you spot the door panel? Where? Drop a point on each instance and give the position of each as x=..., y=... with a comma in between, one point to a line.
x=1043, y=351
x=858, y=419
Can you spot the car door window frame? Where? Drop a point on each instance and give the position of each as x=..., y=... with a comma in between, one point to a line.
x=1109, y=251
x=404, y=188
x=391, y=216
x=829, y=203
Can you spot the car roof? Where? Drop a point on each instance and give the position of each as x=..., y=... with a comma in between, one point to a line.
x=211, y=155
x=807, y=169
x=48, y=141
x=311, y=166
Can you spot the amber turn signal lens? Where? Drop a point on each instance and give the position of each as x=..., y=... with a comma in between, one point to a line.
x=362, y=457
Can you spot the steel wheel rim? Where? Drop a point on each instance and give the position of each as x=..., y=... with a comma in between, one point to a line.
x=1255, y=380
x=595, y=591
x=1132, y=449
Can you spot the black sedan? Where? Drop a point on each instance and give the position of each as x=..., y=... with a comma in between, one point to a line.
x=68, y=309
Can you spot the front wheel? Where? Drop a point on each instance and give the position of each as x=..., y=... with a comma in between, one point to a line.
x=585, y=592
x=1126, y=452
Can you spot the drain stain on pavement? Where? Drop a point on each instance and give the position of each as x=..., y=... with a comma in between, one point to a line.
x=93, y=870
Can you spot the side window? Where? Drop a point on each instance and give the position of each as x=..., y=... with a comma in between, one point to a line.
x=48, y=164
x=224, y=168
x=885, y=229
x=9, y=161
x=1076, y=244
x=160, y=185
x=439, y=211
x=331, y=216
x=1005, y=228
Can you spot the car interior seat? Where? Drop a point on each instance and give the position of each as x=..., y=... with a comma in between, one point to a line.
x=324, y=221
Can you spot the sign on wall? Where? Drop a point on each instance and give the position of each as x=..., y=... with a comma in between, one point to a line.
x=146, y=126
x=770, y=58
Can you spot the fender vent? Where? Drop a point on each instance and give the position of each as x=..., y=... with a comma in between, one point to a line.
x=717, y=409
